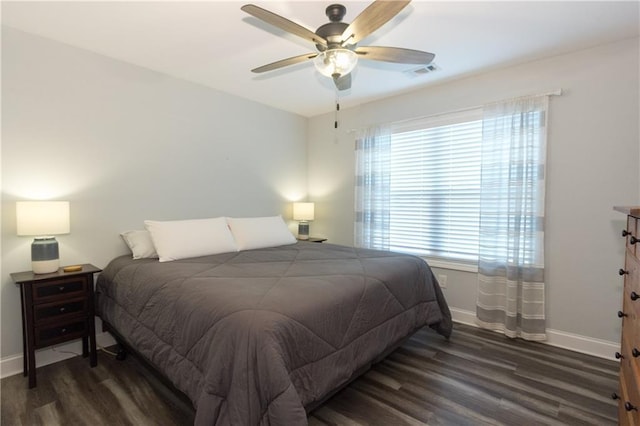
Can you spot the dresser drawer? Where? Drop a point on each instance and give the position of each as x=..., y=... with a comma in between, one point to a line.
x=50, y=335
x=631, y=363
x=625, y=417
x=631, y=285
x=629, y=374
x=632, y=224
x=631, y=307
x=62, y=289
x=57, y=311
x=631, y=331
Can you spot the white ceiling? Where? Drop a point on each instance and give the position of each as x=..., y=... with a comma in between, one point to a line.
x=215, y=44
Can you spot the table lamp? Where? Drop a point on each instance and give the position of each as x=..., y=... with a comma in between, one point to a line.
x=43, y=219
x=303, y=212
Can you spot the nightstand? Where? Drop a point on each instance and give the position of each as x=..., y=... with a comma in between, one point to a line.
x=56, y=308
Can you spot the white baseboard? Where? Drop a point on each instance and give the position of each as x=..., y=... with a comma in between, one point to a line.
x=560, y=339
x=13, y=364
x=601, y=348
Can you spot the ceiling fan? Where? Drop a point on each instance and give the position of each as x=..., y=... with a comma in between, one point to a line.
x=336, y=41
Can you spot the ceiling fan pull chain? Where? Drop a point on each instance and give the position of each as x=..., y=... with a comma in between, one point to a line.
x=336, y=118
x=335, y=122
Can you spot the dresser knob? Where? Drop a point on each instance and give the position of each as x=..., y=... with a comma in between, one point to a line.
x=623, y=272
x=633, y=240
x=618, y=355
x=625, y=233
x=614, y=396
x=634, y=296
x=635, y=352
x=61, y=288
x=622, y=314
x=630, y=407
x=62, y=310
x=63, y=330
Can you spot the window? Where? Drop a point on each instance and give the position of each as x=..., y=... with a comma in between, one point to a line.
x=421, y=186
x=434, y=207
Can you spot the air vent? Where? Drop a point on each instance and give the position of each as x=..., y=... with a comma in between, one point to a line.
x=422, y=70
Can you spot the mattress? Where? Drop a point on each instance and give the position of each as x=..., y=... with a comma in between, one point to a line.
x=261, y=336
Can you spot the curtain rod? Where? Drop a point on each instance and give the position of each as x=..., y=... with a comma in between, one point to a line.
x=555, y=92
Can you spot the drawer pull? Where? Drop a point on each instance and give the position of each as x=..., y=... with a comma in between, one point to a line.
x=61, y=288
x=625, y=233
x=623, y=272
x=630, y=407
x=62, y=310
x=635, y=352
x=618, y=355
x=622, y=314
x=615, y=396
x=633, y=240
x=63, y=330
x=634, y=296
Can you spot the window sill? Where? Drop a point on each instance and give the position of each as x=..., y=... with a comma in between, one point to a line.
x=444, y=264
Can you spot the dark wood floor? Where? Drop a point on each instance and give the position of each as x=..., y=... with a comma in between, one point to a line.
x=477, y=378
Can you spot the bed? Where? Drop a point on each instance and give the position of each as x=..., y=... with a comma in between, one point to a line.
x=264, y=336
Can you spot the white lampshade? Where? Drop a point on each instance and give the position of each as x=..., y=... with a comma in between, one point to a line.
x=336, y=62
x=303, y=211
x=42, y=217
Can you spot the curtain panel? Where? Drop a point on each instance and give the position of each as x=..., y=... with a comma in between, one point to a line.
x=372, y=188
x=511, y=289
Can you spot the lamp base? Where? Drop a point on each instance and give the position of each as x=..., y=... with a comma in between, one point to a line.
x=44, y=255
x=45, y=266
x=303, y=230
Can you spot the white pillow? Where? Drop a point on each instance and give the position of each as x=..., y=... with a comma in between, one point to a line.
x=140, y=244
x=179, y=239
x=259, y=232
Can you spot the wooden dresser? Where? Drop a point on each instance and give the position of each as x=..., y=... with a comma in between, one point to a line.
x=628, y=395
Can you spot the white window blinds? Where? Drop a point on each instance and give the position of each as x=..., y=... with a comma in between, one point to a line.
x=435, y=186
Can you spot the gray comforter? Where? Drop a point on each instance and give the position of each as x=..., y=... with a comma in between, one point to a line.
x=257, y=337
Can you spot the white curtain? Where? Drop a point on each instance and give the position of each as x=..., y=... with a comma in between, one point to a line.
x=372, y=188
x=511, y=295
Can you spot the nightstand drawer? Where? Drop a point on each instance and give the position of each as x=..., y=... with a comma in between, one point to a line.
x=57, y=311
x=46, y=336
x=59, y=289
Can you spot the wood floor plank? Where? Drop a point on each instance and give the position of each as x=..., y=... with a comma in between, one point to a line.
x=400, y=401
x=48, y=415
x=478, y=377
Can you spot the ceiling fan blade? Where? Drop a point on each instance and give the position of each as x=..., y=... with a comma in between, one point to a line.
x=395, y=54
x=283, y=24
x=373, y=17
x=343, y=82
x=284, y=62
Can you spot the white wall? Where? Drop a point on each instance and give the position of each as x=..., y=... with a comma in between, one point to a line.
x=124, y=144
x=593, y=151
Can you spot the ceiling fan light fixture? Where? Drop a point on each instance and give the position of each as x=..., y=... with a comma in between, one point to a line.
x=334, y=62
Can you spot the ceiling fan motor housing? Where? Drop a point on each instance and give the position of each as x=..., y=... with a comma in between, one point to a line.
x=332, y=32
